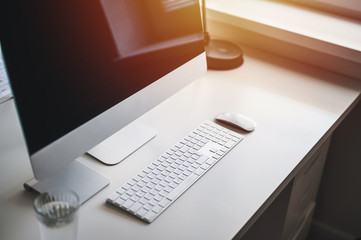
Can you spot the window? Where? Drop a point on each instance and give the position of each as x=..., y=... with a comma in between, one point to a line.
x=348, y=8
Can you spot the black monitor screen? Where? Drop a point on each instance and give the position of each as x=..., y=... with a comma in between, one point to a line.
x=69, y=61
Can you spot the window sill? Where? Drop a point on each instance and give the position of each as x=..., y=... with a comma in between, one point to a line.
x=311, y=36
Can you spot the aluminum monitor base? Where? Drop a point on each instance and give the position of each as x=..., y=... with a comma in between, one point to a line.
x=123, y=143
x=75, y=176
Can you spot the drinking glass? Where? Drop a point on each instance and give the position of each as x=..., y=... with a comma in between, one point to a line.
x=57, y=214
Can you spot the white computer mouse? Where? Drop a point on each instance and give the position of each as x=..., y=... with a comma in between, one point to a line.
x=237, y=120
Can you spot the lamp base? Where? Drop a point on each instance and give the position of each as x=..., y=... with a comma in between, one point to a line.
x=223, y=55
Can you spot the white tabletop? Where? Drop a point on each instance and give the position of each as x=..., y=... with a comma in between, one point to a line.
x=295, y=106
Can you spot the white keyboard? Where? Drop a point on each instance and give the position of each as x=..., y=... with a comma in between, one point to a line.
x=153, y=189
x=5, y=91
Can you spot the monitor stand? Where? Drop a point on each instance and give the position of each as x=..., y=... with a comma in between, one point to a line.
x=75, y=176
x=123, y=143
x=84, y=181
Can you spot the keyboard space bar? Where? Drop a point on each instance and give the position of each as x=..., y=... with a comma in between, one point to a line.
x=182, y=186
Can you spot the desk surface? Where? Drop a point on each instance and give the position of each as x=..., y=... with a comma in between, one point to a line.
x=295, y=106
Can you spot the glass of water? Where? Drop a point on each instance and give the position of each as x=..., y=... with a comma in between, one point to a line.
x=57, y=214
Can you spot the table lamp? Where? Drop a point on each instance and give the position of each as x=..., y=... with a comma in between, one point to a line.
x=221, y=54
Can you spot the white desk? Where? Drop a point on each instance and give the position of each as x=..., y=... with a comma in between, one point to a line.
x=295, y=106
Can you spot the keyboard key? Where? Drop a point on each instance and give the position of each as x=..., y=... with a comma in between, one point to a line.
x=135, y=207
x=150, y=216
x=142, y=212
x=114, y=196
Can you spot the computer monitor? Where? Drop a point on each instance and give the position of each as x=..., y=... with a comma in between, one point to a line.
x=82, y=70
